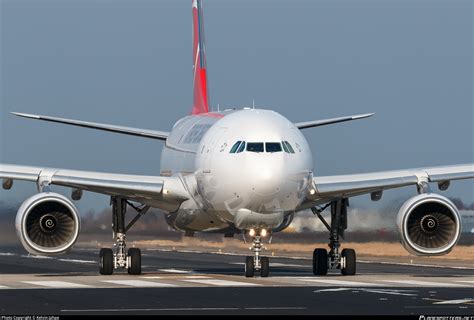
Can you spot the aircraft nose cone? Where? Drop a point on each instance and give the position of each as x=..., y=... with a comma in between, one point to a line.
x=267, y=179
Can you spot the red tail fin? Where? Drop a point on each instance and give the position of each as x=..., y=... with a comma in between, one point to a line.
x=201, y=97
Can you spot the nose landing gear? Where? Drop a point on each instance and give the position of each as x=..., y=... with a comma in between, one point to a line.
x=257, y=263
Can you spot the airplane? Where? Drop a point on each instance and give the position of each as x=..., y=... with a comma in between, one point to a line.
x=238, y=171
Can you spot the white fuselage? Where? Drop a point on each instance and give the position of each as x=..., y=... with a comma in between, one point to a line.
x=241, y=188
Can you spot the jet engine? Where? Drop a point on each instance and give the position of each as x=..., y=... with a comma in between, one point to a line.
x=429, y=224
x=47, y=224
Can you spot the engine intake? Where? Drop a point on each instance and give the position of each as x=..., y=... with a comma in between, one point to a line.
x=429, y=224
x=47, y=223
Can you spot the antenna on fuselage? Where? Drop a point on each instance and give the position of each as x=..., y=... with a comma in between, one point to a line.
x=253, y=103
x=218, y=108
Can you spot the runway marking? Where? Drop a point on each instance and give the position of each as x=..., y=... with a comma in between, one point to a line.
x=458, y=301
x=423, y=283
x=223, y=283
x=381, y=291
x=183, y=309
x=465, y=281
x=7, y=254
x=152, y=277
x=78, y=261
x=36, y=257
x=57, y=284
x=342, y=282
x=175, y=271
x=4, y=287
x=139, y=283
x=276, y=308
x=161, y=309
x=276, y=264
x=197, y=277
x=416, y=264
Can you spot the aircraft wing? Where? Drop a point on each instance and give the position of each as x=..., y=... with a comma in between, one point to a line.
x=318, y=123
x=345, y=186
x=165, y=193
x=153, y=134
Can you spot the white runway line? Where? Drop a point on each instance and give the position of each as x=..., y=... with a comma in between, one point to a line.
x=152, y=277
x=78, y=261
x=7, y=254
x=459, y=301
x=423, y=283
x=276, y=264
x=175, y=271
x=197, y=277
x=466, y=281
x=135, y=310
x=223, y=283
x=342, y=283
x=3, y=287
x=374, y=290
x=57, y=284
x=139, y=283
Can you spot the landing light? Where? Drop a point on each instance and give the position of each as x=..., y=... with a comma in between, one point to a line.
x=252, y=232
x=312, y=192
x=263, y=233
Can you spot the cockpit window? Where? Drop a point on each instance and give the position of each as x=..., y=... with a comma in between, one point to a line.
x=272, y=147
x=255, y=146
x=235, y=147
x=242, y=147
x=288, y=148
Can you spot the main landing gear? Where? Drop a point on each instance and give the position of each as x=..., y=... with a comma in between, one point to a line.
x=131, y=259
x=344, y=260
x=257, y=263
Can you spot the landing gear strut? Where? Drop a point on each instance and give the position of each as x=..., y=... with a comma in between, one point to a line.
x=344, y=260
x=257, y=263
x=131, y=259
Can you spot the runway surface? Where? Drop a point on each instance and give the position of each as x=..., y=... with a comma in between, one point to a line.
x=204, y=283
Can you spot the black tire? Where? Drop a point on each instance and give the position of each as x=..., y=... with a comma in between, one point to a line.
x=350, y=257
x=135, y=261
x=320, y=262
x=249, y=267
x=106, y=261
x=264, y=267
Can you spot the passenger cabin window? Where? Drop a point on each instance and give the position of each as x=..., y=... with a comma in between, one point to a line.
x=272, y=147
x=235, y=147
x=255, y=146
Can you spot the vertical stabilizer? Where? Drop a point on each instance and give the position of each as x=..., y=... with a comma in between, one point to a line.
x=201, y=96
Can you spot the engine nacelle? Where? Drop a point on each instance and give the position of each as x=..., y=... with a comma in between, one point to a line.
x=47, y=224
x=429, y=224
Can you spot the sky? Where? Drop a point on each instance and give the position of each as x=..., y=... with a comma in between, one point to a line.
x=129, y=63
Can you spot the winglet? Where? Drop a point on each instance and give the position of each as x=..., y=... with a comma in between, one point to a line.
x=201, y=96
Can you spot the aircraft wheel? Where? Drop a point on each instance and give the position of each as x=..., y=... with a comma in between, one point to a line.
x=249, y=267
x=106, y=261
x=265, y=267
x=320, y=262
x=350, y=262
x=135, y=261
